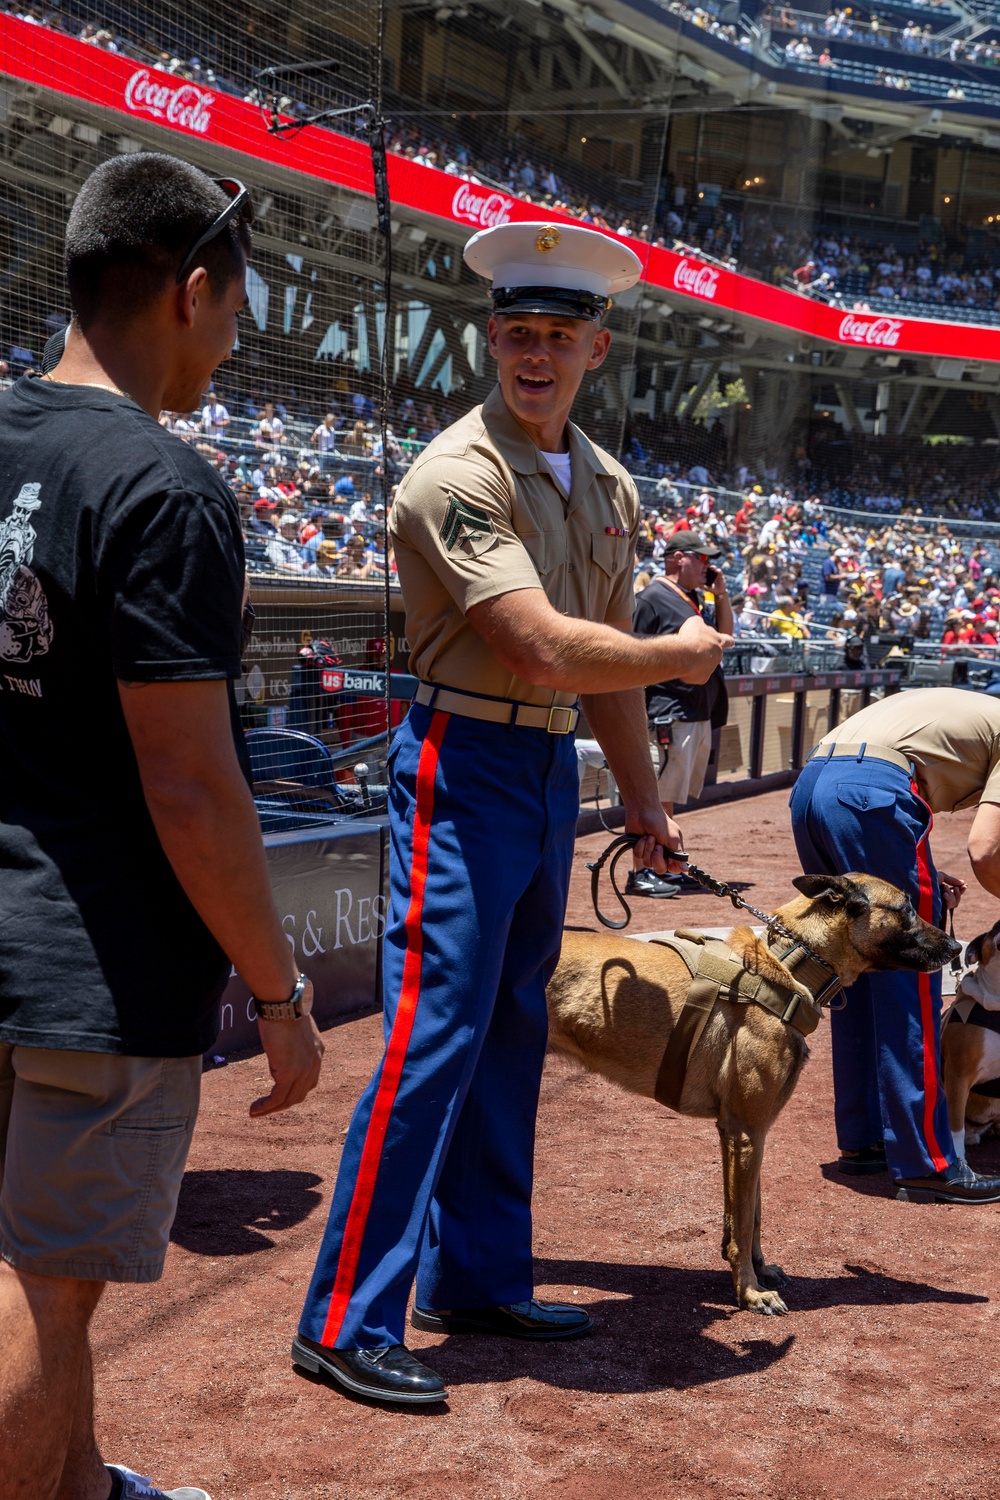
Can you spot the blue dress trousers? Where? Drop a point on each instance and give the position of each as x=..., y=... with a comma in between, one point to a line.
x=861, y=814
x=436, y=1173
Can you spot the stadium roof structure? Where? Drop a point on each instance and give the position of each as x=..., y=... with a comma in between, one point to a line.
x=755, y=72
x=152, y=104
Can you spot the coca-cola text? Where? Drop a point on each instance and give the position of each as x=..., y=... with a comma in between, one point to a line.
x=481, y=206
x=696, y=280
x=183, y=104
x=883, y=331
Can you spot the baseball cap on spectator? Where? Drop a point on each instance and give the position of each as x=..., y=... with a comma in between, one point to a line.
x=690, y=541
x=692, y=510
x=758, y=489
x=850, y=615
x=755, y=589
x=317, y=515
x=264, y=504
x=344, y=485
x=289, y=519
x=327, y=549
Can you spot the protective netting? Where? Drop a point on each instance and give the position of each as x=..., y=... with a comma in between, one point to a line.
x=293, y=420
x=733, y=362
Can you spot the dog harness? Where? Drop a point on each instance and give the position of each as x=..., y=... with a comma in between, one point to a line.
x=971, y=1013
x=718, y=974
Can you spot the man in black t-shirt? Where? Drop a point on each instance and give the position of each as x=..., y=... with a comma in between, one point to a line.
x=681, y=714
x=131, y=860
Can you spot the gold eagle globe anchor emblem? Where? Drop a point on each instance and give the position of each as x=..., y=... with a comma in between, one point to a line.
x=548, y=238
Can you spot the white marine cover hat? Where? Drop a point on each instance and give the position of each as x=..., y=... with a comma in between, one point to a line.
x=564, y=269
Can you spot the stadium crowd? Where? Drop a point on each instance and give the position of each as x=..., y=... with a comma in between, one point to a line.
x=829, y=263
x=867, y=28
x=797, y=564
x=798, y=572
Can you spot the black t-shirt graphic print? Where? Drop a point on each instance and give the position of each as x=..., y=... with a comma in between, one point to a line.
x=121, y=557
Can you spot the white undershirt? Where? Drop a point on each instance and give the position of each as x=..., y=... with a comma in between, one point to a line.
x=561, y=465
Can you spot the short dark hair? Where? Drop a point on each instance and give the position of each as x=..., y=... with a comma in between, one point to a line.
x=134, y=220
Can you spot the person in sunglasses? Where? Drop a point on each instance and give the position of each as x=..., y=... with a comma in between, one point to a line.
x=131, y=860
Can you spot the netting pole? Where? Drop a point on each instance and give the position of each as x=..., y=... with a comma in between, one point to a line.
x=383, y=208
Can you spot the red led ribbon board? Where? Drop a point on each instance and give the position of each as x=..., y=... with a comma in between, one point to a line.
x=63, y=65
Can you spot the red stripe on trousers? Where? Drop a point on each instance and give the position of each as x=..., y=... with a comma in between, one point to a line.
x=399, y=1040
x=926, y=910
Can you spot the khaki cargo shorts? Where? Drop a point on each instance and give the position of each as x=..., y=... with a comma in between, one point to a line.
x=92, y=1152
x=688, y=754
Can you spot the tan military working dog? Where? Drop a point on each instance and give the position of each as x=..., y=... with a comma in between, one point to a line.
x=613, y=1003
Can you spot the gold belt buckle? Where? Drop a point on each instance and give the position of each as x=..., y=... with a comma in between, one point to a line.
x=561, y=708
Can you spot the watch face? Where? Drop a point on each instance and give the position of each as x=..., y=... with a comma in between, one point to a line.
x=306, y=999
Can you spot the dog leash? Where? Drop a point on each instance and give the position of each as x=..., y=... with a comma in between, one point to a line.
x=957, y=965
x=623, y=845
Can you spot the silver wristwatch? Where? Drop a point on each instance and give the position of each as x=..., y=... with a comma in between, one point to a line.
x=298, y=1004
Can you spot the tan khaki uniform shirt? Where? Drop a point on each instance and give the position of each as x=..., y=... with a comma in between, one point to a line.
x=952, y=738
x=481, y=514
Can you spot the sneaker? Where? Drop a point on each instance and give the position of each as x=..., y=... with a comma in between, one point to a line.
x=648, y=883
x=137, y=1487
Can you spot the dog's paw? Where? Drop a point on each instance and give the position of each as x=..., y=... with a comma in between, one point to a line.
x=768, y=1303
x=771, y=1276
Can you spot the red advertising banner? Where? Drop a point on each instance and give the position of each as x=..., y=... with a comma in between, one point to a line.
x=63, y=65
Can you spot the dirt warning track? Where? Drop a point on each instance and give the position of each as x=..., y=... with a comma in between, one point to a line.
x=879, y=1385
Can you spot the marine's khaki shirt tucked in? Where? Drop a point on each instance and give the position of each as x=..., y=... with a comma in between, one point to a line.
x=481, y=514
x=952, y=738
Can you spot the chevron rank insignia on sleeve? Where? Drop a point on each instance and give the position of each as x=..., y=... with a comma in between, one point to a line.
x=467, y=527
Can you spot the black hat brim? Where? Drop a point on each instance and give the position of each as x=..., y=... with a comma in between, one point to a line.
x=704, y=548
x=559, y=302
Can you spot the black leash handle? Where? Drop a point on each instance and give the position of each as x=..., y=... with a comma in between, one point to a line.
x=623, y=844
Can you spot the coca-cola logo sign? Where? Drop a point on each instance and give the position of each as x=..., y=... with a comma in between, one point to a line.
x=480, y=206
x=882, y=331
x=696, y=280
x=184, y=104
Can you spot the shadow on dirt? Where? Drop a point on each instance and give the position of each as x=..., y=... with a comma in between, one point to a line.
x=659, y=1329
x=230, y=1212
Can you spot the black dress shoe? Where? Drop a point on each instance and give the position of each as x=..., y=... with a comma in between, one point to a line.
x=956, y=1184
x=516, y=1320
x=648, y=883
x=388, y=1374
x=863, y=1163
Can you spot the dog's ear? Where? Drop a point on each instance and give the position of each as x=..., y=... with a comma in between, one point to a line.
x=837, y=890
x=975, y=949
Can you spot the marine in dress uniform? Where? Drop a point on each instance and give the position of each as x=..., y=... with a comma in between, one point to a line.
x=436, y=1173
x=865, y=801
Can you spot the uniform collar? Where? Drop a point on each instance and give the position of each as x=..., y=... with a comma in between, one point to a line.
x=524, y=458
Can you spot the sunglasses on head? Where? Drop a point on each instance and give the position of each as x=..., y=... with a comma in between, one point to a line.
x=239, y=206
